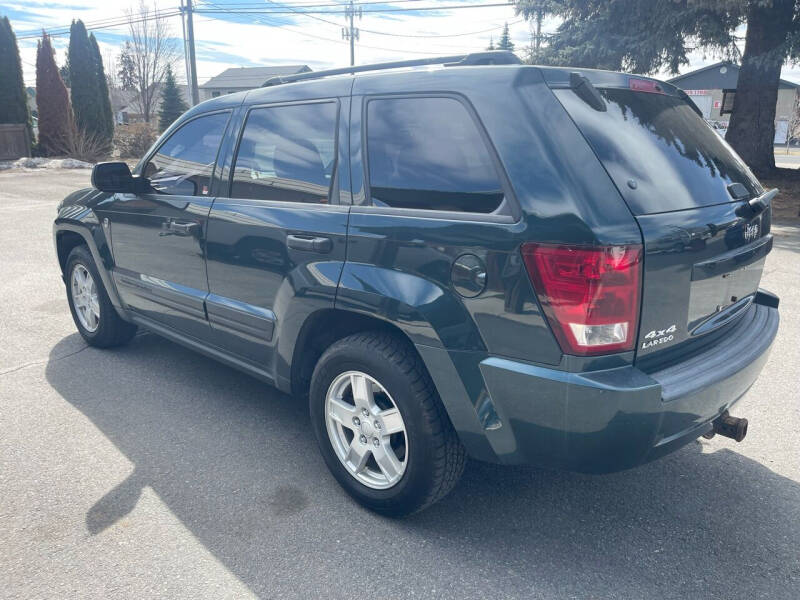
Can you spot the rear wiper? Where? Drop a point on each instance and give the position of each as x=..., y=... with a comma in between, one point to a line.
x=755, y=206
x=584, y=89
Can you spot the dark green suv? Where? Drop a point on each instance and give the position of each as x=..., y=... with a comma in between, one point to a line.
x=447, y=258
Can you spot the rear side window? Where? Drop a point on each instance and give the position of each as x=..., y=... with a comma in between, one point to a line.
x=183, y=164
x=287, y=153
x=427, y=153
x=660, y=153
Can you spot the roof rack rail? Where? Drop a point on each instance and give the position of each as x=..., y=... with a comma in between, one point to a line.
x=495, y=57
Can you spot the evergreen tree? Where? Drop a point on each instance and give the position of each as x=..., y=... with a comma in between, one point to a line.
x=64, y=72
x=86, y=100
x=505, y=42
x=52, y=101
x=126, y=68
x=172, y=103
x=491, y=44
x=13, y=98
x=105, y=128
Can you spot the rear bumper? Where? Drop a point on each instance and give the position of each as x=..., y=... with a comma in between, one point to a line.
x=610, y=420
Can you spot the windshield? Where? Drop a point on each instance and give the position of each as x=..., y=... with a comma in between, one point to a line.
x=661, y=155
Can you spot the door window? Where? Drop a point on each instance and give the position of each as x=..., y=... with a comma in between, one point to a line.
x=184, y=163
x=287, y=153
x=427, y=153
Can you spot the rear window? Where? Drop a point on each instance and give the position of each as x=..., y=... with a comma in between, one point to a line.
x=661, y=155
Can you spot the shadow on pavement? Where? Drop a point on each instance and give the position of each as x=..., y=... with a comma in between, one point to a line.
x=236, y=462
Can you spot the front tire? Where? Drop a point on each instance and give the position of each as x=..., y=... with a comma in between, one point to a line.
x=94, y=315
x=380, y=425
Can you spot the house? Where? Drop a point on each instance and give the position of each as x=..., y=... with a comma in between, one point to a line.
x=713, y=90
x=245, y=78
x=126, y=107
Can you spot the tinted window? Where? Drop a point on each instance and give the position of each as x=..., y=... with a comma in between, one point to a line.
x=428, y=153
x=676, y=159
x=287, y=153
x=183, y=164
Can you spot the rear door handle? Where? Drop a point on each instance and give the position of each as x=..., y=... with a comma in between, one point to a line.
x=309, y=243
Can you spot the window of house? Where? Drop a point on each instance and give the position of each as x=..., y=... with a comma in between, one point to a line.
x=427, y=153
x=215, y=94
x=287, y=153
x=184, y=163
x=728, y=97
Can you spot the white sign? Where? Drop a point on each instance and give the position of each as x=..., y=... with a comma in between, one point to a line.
x=697, y=92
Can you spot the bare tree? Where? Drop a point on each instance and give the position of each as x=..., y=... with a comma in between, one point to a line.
x=152, y=49
x=794, y=122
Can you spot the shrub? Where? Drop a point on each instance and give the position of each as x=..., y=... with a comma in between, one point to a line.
x=134, y=140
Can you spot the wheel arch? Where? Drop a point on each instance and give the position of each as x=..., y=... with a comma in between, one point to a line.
x=321, y=329
x=69, y=235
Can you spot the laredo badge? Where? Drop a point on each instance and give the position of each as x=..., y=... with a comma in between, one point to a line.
x=659, y=336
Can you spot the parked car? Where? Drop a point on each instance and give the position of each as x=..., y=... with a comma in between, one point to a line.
x=518, y=264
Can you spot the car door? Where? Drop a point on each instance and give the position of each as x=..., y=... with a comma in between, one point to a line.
x=157, y=237
x=276, y=238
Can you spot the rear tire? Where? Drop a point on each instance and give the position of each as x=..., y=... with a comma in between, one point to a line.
x=429, y=456
x=94, y=315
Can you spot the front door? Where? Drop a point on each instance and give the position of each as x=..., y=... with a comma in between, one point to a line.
x=157, y=237
x=276, y=239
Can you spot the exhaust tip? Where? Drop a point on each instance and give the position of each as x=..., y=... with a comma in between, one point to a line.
x=731, y=427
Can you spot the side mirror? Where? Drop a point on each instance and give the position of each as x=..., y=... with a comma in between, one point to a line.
x=116, y=178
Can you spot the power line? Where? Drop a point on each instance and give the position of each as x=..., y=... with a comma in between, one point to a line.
x=326, y=39
x=101, y=24
x=270, y=11
x=440, y=35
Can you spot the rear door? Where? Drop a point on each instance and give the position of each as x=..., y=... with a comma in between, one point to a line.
x=689, y=192
x=157, y=237
x=276, y=233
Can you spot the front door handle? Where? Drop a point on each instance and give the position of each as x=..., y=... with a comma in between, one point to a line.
x=309, y=243
x=181, y=228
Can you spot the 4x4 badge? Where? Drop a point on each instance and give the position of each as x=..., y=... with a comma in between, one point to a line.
x=657, y=337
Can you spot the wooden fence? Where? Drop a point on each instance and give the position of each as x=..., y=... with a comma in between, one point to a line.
x=14, y=141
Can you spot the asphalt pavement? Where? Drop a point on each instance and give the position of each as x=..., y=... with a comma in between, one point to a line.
x=153, y=472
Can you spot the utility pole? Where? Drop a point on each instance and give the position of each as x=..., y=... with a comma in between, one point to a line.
x=191, y=66
x=351, y=32
x=185, y=46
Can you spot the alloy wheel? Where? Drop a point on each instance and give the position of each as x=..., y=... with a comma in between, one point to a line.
x=84, y=297
x=366, y=430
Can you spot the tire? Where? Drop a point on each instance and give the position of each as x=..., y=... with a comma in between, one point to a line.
x=429, y=447
x=106, y=329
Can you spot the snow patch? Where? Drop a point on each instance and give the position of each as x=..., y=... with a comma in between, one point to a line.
x=45, y=163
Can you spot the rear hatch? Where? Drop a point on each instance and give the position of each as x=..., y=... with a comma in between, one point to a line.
x=704, y=218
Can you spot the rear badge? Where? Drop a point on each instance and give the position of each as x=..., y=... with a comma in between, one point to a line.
x=658, y=337
x=751, y=231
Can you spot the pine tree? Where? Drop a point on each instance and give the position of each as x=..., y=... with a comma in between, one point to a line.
x=105, y=128
x=505, y=42
x=86, y=103
x=491, y=44
x=52, y=101
x=126, y=68
x=13, y=98
x=64, y=72
x=172, y=102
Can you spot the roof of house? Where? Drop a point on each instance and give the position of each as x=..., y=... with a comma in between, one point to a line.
x=128, y=100
x=251, y=77
x=719, y=76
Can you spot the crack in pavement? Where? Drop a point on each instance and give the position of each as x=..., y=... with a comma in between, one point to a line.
x=40, y=362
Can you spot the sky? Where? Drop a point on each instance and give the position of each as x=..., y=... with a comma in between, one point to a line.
x=242, y=40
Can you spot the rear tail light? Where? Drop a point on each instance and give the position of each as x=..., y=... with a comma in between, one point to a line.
x=590, y=295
